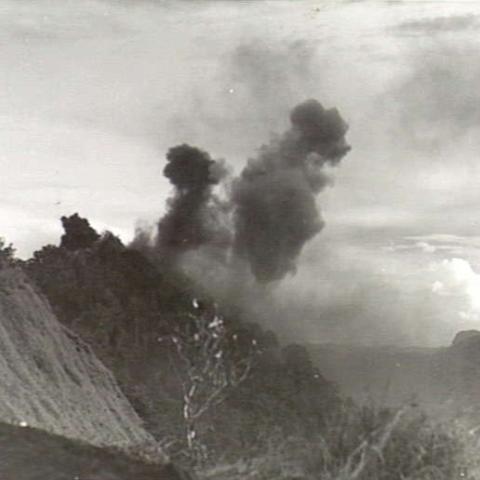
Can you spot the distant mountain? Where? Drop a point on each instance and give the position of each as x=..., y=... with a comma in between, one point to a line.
x=466, y=336
x=395, y=375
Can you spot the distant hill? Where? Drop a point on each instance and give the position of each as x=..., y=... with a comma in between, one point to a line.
x=395, y=375
x=466, y=336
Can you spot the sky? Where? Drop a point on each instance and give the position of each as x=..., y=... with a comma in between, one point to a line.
x=93, y=93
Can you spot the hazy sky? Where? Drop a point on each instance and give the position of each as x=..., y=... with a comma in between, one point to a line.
x=93, y=93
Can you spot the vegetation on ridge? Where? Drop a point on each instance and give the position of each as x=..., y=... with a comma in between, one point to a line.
x=282, y=420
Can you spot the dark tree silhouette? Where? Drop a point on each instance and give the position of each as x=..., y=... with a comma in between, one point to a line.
x=78, y=233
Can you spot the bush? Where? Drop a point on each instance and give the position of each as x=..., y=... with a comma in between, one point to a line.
x=361, y=443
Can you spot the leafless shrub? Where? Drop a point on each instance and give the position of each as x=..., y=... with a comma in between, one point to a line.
x=209, y=365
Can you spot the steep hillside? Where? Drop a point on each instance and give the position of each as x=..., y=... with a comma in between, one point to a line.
x=51, y=379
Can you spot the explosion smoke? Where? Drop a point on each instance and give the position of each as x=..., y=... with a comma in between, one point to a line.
x=187, y=224
x=274, y=197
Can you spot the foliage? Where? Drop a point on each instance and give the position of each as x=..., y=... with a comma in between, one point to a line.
x=212, y=382
x=359, y=443
x=7, y=254
x=187, y=367
x=122, y=304
x=209, y=363
x=78, y=233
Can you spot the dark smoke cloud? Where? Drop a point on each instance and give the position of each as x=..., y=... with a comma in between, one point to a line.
x=189, y=221
x=274, y=198
x=270, y=212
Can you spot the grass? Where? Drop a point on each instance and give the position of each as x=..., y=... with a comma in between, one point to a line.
x=364, y=443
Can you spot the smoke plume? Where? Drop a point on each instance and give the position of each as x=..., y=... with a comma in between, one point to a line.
x=272, y=201
x=274, y=197
x=189, y=222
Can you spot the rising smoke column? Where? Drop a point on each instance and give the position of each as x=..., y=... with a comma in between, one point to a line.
x=274, y=197
x=188, y=221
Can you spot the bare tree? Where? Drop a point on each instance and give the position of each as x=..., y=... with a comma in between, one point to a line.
x=209, y=362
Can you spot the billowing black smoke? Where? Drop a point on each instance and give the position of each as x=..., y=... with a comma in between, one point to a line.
x=188, y=221
x=274, y=197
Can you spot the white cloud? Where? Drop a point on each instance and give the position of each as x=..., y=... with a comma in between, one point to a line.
x=426, y=247
x=437, y=286
x=457, y=278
